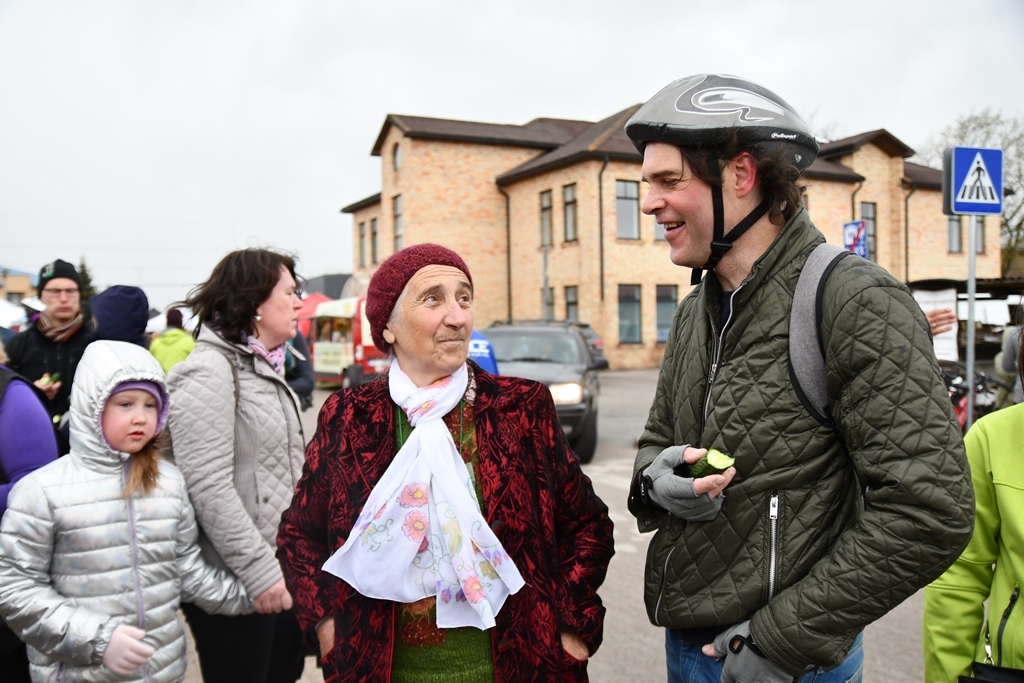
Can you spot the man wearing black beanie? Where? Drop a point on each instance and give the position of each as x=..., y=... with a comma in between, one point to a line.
x=47, y=353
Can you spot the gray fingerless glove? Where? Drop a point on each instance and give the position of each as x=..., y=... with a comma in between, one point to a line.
x=744, y=661
x=674, y=492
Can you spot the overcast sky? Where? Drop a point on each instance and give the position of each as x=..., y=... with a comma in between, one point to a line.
x=151, y=138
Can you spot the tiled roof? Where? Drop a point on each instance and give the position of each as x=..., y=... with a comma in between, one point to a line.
x=606, y=138
x=832, y=170
x=543, y=133
x=362, y=203
x=882, y=138
x=33, y=277
x=922, y=176
x=566, y=141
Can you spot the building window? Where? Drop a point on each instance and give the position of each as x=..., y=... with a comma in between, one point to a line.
x=867, y=214
x=572, y=303
x=396, y=156
x=373, y=241
x=979, y=238
x=667, y=297
x=955, y=233
x=399, y=227
x=627, y=209
x=629, y=314
x=362, y=244
x=545, y=218
x=547, y=302
x=569, y=197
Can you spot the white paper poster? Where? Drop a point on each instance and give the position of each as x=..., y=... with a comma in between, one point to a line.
x=945, y=342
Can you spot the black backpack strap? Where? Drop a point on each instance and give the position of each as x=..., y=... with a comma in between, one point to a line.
x=806, y=347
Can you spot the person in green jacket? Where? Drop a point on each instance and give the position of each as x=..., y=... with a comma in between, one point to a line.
x=174, y=344
x=770, y=570
x=991, y=568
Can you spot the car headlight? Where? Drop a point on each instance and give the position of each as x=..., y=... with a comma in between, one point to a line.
x=566, y=394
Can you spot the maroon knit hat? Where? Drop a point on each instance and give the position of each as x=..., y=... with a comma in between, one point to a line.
x=394, y=274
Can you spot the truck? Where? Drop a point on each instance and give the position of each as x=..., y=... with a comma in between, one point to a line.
x=342, y=346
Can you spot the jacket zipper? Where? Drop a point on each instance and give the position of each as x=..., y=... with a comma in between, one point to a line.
x=773, y=542
x=1002, y=622
x=661, y=588
x=140, y=610
x=718, y=352
x=707, y=406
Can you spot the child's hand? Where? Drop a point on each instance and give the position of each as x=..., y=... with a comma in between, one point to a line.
x=126, y=652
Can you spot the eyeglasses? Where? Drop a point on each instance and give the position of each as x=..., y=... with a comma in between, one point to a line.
x=57, y=292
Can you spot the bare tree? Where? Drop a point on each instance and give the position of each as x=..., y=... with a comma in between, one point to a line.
x=991, y=129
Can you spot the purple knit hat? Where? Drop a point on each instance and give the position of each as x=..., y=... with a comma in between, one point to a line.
x=158, y=392
x=394, y=274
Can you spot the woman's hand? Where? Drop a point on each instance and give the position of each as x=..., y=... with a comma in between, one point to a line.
x=274, y=599
x=571, y=643
x=325, y=635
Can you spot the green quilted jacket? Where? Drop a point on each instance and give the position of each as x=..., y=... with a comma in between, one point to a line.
x=794, y=548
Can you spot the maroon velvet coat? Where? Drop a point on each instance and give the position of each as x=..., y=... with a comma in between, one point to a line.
x=535, y=498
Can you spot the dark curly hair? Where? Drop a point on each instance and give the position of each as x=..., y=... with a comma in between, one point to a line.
x=777, y=177
x=243, y=280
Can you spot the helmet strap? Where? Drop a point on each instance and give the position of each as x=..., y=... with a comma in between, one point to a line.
x=720, y=243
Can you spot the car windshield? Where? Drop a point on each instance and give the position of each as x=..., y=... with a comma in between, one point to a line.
x=520, y=346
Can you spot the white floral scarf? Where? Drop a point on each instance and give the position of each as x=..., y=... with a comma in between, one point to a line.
x=421, y=533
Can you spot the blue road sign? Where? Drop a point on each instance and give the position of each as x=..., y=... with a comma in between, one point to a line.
x=855, y=238
x=973, y=181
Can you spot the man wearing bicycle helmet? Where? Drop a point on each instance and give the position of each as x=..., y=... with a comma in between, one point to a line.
x=770, y=570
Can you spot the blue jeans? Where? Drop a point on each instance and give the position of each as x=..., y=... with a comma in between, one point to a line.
x=687, y=664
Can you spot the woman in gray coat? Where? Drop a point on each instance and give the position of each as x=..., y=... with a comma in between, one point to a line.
x=238, y=440
x=98, y=547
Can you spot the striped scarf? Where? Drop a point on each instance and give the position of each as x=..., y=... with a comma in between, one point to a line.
x=59, y=333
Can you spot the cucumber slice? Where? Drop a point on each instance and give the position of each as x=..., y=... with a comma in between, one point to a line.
x=713, y=462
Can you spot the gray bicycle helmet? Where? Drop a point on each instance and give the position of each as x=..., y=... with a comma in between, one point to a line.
x=700, y=110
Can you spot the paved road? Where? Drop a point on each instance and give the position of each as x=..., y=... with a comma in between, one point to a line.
x=633, y=649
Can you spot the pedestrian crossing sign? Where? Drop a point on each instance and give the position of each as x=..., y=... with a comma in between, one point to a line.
x=972, y=181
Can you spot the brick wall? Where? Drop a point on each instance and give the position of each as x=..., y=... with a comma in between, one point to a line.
x=365, y=217
x=449, y=196
x=925, y=248
x=16, y=287
x=642, y=261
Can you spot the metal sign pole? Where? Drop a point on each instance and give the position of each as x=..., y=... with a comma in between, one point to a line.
x=972, y=185
x=972, y=246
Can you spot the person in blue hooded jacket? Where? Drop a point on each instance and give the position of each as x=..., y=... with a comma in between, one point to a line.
x=120, y=313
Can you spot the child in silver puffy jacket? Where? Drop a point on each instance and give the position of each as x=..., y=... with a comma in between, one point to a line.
x=98, y=548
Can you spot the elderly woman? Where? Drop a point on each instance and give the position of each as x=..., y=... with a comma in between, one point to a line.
x=238, y=441
x=462, y=541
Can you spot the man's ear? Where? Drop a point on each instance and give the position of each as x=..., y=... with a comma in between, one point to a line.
x=743, y=174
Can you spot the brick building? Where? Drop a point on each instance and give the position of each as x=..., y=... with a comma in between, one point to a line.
x=16, y=285
x=547, y=216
